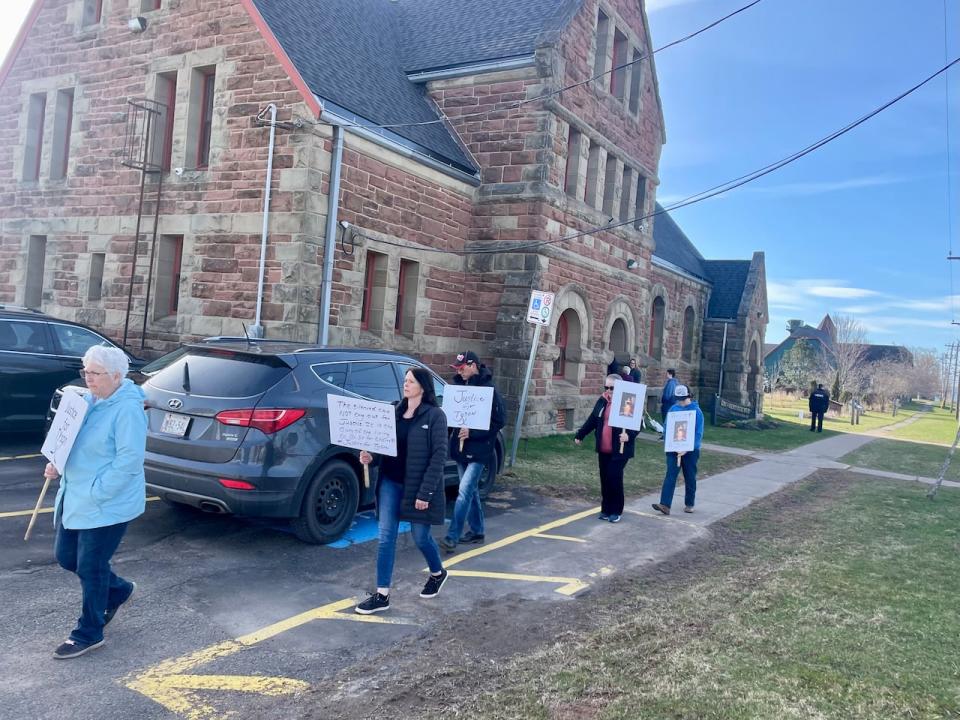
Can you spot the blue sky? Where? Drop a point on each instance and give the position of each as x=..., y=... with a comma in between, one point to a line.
x=859, y=227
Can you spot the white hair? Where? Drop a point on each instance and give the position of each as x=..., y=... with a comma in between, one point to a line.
x=112, y=359
x=613, y=377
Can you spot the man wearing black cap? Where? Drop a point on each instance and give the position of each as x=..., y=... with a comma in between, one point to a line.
x=478, y=452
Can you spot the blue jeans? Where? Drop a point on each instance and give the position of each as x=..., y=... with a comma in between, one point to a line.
x=688, y=463
x=389, y=496
x=87, y=553
x=469, y=507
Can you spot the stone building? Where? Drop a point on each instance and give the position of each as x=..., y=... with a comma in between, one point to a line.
x=466, y=179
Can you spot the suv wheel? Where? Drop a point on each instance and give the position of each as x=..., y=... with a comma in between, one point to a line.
x=329, y=504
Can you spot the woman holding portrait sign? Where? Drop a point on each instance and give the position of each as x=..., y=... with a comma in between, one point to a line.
x=614, y=444
x=681, y=450
x=410, y=487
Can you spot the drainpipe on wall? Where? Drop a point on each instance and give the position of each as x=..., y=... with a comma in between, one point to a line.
x=330, y=242
x=723, y=359
x=257, y=329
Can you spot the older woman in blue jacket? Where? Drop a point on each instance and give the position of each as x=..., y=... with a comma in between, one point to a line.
x=102, y=489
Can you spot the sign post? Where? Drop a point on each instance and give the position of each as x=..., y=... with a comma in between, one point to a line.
x=538, y=313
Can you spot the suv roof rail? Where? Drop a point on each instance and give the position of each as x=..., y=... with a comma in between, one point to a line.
x=21, y=308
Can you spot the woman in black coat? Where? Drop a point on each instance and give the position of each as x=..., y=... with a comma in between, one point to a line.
x=410, y=487
x=611, y=461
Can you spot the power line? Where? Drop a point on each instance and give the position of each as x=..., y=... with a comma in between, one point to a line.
x=946, y=109
x=515, y=104
x=692, y=199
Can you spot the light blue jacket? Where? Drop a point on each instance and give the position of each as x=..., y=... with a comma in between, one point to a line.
x=698, y=433
x=103, y=483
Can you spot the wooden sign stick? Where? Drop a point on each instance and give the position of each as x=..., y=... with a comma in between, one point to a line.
x=36, y=510
x=461, y=444
x=621, y=447
x=366, y=476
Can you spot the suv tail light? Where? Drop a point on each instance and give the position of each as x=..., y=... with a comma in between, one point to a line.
x=265, y=420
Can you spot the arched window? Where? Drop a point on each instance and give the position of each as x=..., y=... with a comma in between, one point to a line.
x=618, y=336
x=686, y=348
x=657, y=313
x=563, y=334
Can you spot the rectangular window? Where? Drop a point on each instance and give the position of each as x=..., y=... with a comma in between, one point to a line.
x=609, y=186
x=165, y=93
x=92, y=12
x=62, y=128
x=33, y=149
x=636, y=76
x=571, y=174
x=407, y=297
x=625, y=188
x=593, y=174
x=640, y=206
x=166, y=299
x=36, y=259
x=148, y=5
x=374, y=291
x=95, y=283
x=200, y=122
x=618, y=77
x=600, y=54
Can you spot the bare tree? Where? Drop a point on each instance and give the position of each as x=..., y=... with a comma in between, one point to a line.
x=849, y=356
x=889, y=380
x=924, y=376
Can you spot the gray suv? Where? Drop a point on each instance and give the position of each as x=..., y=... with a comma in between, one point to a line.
x=241, y=427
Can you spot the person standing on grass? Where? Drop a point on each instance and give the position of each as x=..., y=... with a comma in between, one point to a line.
x=478, y=453
x=611, y=461
x=410, y=487
x=686, y=461
x=819, y=404
x=101, y=490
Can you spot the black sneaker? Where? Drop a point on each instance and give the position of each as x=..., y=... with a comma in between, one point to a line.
x=603, y=516
x=109, y=613
x=72, y=649
x=373, y=604
x=448, y=545
x=434, y=583
x=614, y=518
x=471, y=537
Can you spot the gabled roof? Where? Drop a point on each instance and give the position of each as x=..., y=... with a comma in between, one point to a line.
x=729, y=278
x=672, y=245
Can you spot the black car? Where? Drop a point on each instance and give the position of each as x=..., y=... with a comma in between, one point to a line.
x=241, y=427
x=38, y=354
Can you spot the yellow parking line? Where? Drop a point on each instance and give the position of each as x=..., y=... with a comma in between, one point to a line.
x=20, y=457
x=28, y=513
x=569, y=585
x=560, y=537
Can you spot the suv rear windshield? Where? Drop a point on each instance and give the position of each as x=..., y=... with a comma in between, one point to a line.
x=221, y=373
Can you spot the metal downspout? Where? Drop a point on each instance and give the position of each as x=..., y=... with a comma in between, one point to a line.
x=333, y=205
x=257, y=329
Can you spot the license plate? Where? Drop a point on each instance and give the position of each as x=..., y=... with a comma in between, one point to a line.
x=174, y=424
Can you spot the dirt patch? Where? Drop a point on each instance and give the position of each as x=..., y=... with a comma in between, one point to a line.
x=441, y=671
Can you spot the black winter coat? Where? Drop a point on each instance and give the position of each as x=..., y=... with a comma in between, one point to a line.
x=594, y=424
x=426, y=456
x=819, y=401
x=479, y=447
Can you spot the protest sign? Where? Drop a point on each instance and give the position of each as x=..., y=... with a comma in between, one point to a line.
x=363, y=424
x=626, y=407
x=680, y=431
x=468, y=406
x=64, y=428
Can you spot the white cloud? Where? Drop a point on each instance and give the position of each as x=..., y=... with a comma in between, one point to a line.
x=655, y=5
x=827, y=186
x=840, y=292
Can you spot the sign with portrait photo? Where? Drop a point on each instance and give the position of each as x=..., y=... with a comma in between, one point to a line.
x=626, y=408
x=681, y=431
x=363, y=424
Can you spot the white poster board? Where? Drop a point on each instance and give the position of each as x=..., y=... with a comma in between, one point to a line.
x=540, y=307
x=626, y=407
x=363, y=424
x=64, y=428
x=468, y=406
x=680, y=431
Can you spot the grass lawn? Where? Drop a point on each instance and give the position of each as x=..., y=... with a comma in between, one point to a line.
x=786, y=436
x=904, y=457
x=938, y=426
x=786, y=409
x=779, y=614
x=557, y=466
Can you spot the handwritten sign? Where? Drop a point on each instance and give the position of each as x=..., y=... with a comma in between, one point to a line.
x=468, y=406
x=626, y=407
x=363, y=425
x=64, y=428
x=681, y=431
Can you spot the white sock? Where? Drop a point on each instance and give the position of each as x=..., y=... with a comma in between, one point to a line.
x=384, y=591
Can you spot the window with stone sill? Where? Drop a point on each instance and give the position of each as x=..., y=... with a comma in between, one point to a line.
x=165, y=92
x=571, y=174
x=657, y=315
x=566, y=366
x=36, y=269
x=200, y=114
x=95, y=280
x=92, y=13
x=600, y=52
x=62, y=130
x=150, y=5
x=374, y=292
x=166, y=299
x=33, y=148
x=407, y=298
x=686, y=348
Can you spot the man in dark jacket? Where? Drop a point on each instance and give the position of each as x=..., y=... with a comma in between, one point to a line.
x=667, y=398
x=819, y=404
x=478, y=452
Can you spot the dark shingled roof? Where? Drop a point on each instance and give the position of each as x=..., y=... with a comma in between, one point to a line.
x=729, y=278
x=672, y=245
x=349, y=53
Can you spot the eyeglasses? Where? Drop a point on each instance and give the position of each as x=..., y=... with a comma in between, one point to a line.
x=88, y=373
x=608, y=387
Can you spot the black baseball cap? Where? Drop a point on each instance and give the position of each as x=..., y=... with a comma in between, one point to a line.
x=467, y=357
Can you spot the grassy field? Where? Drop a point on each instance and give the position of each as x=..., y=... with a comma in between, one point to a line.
x=786, y=409
x=557, y=466
x=786, y=436
x=777, y=615
x=936, y=425
x=904, y=457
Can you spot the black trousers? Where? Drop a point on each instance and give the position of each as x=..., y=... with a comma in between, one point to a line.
x=611, y=481
x=816, y=420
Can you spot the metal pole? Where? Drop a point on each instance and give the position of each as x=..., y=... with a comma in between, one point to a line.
x=333, y=204
x=153, y=253
x=257, y=329
x=523, y=395
x=136, y=238
x=723, y=359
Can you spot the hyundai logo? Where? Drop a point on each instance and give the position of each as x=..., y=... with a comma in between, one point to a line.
x=175, y=404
